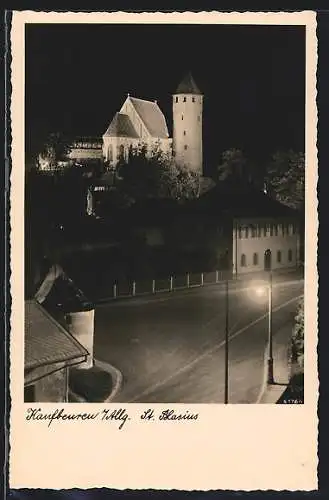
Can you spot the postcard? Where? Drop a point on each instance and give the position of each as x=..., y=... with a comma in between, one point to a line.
x=163, y=251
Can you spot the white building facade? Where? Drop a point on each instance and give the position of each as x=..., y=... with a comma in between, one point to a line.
x=262, y=244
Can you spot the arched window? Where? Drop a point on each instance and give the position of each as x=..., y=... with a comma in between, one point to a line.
x=239, y=233
x=184, y=99
x=253, y=232
x=278, y=256
x=255, y=259
x=275, y=230
x=243, y=260
x=182, y=117
x=289, y=255
x=246, y=232
x=176, y=99
x=193, y=99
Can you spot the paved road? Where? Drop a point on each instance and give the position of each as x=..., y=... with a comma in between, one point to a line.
x=170, y=347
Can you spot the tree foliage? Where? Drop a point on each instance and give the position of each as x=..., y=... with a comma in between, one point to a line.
x=156, y=175
x=285, y=178
x=233, y=166
x=55, y=150
x=298, y=336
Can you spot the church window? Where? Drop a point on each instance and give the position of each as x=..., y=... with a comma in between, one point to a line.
x=184, y=99
x=185, y=147
x=253, y=232
x=184, y=132
x=246, y=232
x=278, y=256
x=176, y=99
x=276, y=230
x=240, y=233
x=193, y=99
x=110, y=153
x=243, y=260
x=271, y=229
x=182, y=117
x=289, y=255
x=255, y=259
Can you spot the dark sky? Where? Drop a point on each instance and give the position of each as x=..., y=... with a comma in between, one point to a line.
x=252, y=78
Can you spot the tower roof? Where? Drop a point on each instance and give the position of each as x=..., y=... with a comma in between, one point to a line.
x=188, y=86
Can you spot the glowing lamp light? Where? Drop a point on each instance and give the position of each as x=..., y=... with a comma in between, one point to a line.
x=260, y=291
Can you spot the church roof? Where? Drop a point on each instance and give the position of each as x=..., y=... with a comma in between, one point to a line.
x=121, y=126
x=188, y=86
x=152, y=117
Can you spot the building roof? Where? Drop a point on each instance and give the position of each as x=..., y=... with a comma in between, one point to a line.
x=188, y=86
x=152, y=117
x=240, y=201
x=46, y=341
x=121, y=126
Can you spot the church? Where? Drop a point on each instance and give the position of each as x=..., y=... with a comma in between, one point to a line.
x=141, y=123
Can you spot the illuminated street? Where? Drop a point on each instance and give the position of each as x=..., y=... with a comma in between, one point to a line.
x=170, y=348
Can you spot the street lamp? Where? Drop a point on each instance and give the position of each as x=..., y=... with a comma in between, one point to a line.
x=226, y=340
x=270, y=376
x=262, y=291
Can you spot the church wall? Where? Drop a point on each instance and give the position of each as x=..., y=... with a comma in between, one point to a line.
x=187, y=134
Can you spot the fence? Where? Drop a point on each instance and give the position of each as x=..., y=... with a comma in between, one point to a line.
x=121, y=289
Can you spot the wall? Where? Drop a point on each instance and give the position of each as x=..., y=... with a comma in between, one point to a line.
x=187, y=121
x=262, y=241
x=50, y=388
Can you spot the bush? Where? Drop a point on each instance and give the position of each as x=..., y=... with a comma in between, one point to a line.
x=297, y=353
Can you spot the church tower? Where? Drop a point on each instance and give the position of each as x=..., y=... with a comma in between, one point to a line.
x=187, y=125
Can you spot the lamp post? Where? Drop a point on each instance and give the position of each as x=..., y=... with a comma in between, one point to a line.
x=226, y=339
x=270, y=376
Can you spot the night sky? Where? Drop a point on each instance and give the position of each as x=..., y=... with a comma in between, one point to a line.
x=252, y=78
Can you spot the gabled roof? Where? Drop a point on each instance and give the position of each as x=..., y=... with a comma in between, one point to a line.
x=188, y=86
x=152, y=117
x=121, y=126
x=46, y=341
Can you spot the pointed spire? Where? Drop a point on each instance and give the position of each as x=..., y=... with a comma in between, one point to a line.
x=188, y=86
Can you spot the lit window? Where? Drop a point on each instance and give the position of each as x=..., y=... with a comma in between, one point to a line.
x=184, y=100
x=278, y=256
x=255, y=259
x=243, y=260
x=289, y=255
x=185, y=147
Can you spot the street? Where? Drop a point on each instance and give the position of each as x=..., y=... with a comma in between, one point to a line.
x=170, y=348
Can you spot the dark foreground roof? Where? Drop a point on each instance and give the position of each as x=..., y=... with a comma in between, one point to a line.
x=46, y=341
x=240, y=201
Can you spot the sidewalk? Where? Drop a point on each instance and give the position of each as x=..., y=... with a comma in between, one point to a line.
x=281, y=368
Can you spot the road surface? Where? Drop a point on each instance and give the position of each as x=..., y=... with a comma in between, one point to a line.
x=170, y=348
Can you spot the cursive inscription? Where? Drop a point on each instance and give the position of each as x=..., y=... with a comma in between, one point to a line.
x=169, y=415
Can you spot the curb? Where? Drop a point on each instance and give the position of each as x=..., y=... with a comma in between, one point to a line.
x=117, y=378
